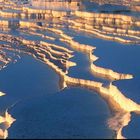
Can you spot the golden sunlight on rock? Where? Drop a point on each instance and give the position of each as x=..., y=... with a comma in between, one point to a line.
x=6, y=120
x=2, y=94
x=43, y=34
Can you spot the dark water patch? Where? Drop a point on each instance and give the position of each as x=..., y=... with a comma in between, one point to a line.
x=132, y=131
x=71, y=113
x=26, y=78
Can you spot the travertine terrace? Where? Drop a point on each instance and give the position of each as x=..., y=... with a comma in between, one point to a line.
x=28, y=20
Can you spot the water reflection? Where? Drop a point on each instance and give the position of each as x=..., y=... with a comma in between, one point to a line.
x=34, y=22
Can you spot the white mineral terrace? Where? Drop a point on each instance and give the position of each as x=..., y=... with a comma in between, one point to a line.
x=105, y=26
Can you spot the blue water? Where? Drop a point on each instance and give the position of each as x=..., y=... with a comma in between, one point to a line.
x=43, y=111
x=19, y=80
x=132, y=131
x=71, y=113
